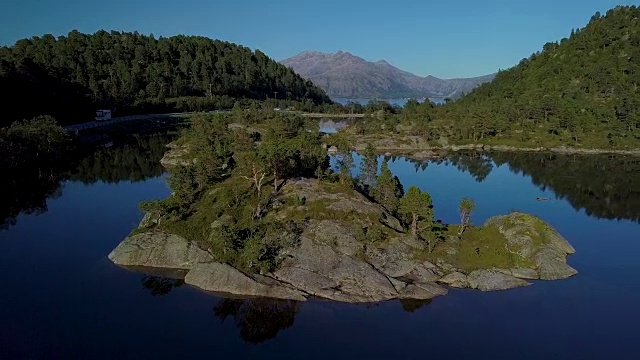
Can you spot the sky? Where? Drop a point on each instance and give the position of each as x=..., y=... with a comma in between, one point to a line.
x=446, y=38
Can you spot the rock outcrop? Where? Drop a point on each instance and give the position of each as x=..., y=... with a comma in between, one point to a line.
x=158, y=249
x=177, y=155
x=536, y=241
x=222, y=278
x=324, y=272
x=353, y=250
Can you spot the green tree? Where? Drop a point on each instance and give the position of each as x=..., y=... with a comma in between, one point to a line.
x=72, y=76
x=40, y=136
x=386, y=189
x=344, y=161
x=277, y=155
x=368, y=168
x=417, y=207
x=466, y=207
x=184, y=185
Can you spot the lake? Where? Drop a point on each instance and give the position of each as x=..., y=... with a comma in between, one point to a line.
x=398, y=102
x=63, y=299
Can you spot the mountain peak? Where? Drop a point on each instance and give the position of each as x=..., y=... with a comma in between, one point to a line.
x=343, y=74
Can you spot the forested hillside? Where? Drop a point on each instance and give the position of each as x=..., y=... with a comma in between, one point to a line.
x=580, y=91
x=71, y=76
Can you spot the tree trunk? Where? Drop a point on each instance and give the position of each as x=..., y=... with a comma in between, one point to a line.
x=463, y=223
x=414, y=224
x=275, y=180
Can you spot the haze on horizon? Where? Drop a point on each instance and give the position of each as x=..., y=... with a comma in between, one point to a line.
x=457, y=39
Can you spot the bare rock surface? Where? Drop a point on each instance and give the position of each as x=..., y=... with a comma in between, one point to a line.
x=222, y=278
x=158, y=249
x=491, y=280
x=324, y=272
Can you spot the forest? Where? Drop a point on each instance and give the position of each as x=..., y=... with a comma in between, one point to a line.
x=581, y=91
x=71, y=76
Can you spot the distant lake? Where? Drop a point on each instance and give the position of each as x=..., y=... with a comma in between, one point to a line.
x=62, y=298
x=399, y=102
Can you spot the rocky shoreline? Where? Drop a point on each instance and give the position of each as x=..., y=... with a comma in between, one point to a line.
x=330, y=261
x=411, y=145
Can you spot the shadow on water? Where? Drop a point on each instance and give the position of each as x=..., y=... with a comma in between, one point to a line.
x=27, y=189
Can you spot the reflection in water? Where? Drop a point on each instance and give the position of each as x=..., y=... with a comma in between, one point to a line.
x=26, y=190
x=159, y=286
x=258, y=319
x=605, y=186
x=135, y=160
x=412, y=305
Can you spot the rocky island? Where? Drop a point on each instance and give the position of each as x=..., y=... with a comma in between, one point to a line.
x=260, y=214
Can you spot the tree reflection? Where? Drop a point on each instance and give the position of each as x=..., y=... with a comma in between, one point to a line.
x=27, y=189
x=258, y=319
x=159, y=286
x=605, y=186
x=412, y=305
x=137, y=159
x=476, y=164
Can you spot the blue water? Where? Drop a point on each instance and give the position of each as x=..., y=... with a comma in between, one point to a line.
x=62, y=298
x=398, y=102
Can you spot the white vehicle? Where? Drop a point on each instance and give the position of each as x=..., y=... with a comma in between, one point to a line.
x=103, y=115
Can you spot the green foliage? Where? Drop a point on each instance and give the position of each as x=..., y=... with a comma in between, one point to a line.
x=581, y=92
x=300, y=200
x=368, y=169
x=386, y=190
x=38, y=139
x=466, y=207
x=40, y=135
x=184, y=185
x=71, y=76
x=219, y=201
x=481, y=247
x=344, y=160
x=417, y=208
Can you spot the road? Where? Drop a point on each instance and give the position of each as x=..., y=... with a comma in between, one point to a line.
x=115, y=120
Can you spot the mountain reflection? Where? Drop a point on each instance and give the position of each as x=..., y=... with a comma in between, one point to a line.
x=258, y=319
x=27, y=189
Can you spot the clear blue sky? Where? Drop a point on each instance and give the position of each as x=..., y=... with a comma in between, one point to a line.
x=446, y=38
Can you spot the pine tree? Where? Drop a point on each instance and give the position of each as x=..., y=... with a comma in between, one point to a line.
x=467, y=206
x=417, y=207
x=368, y=169
x=385, y=191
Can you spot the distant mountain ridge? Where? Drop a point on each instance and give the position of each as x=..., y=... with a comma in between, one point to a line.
x=345, y=75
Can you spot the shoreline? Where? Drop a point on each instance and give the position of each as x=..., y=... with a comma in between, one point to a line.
x=420, y=146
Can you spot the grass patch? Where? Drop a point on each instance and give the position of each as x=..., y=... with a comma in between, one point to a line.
x=482, y=247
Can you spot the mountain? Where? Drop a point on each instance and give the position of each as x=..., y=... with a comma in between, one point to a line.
x=345, y=75
x=72, y=76
x=583, y=90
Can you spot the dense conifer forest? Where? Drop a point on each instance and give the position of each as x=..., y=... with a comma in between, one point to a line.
x=579, y=91
x=71, y=76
